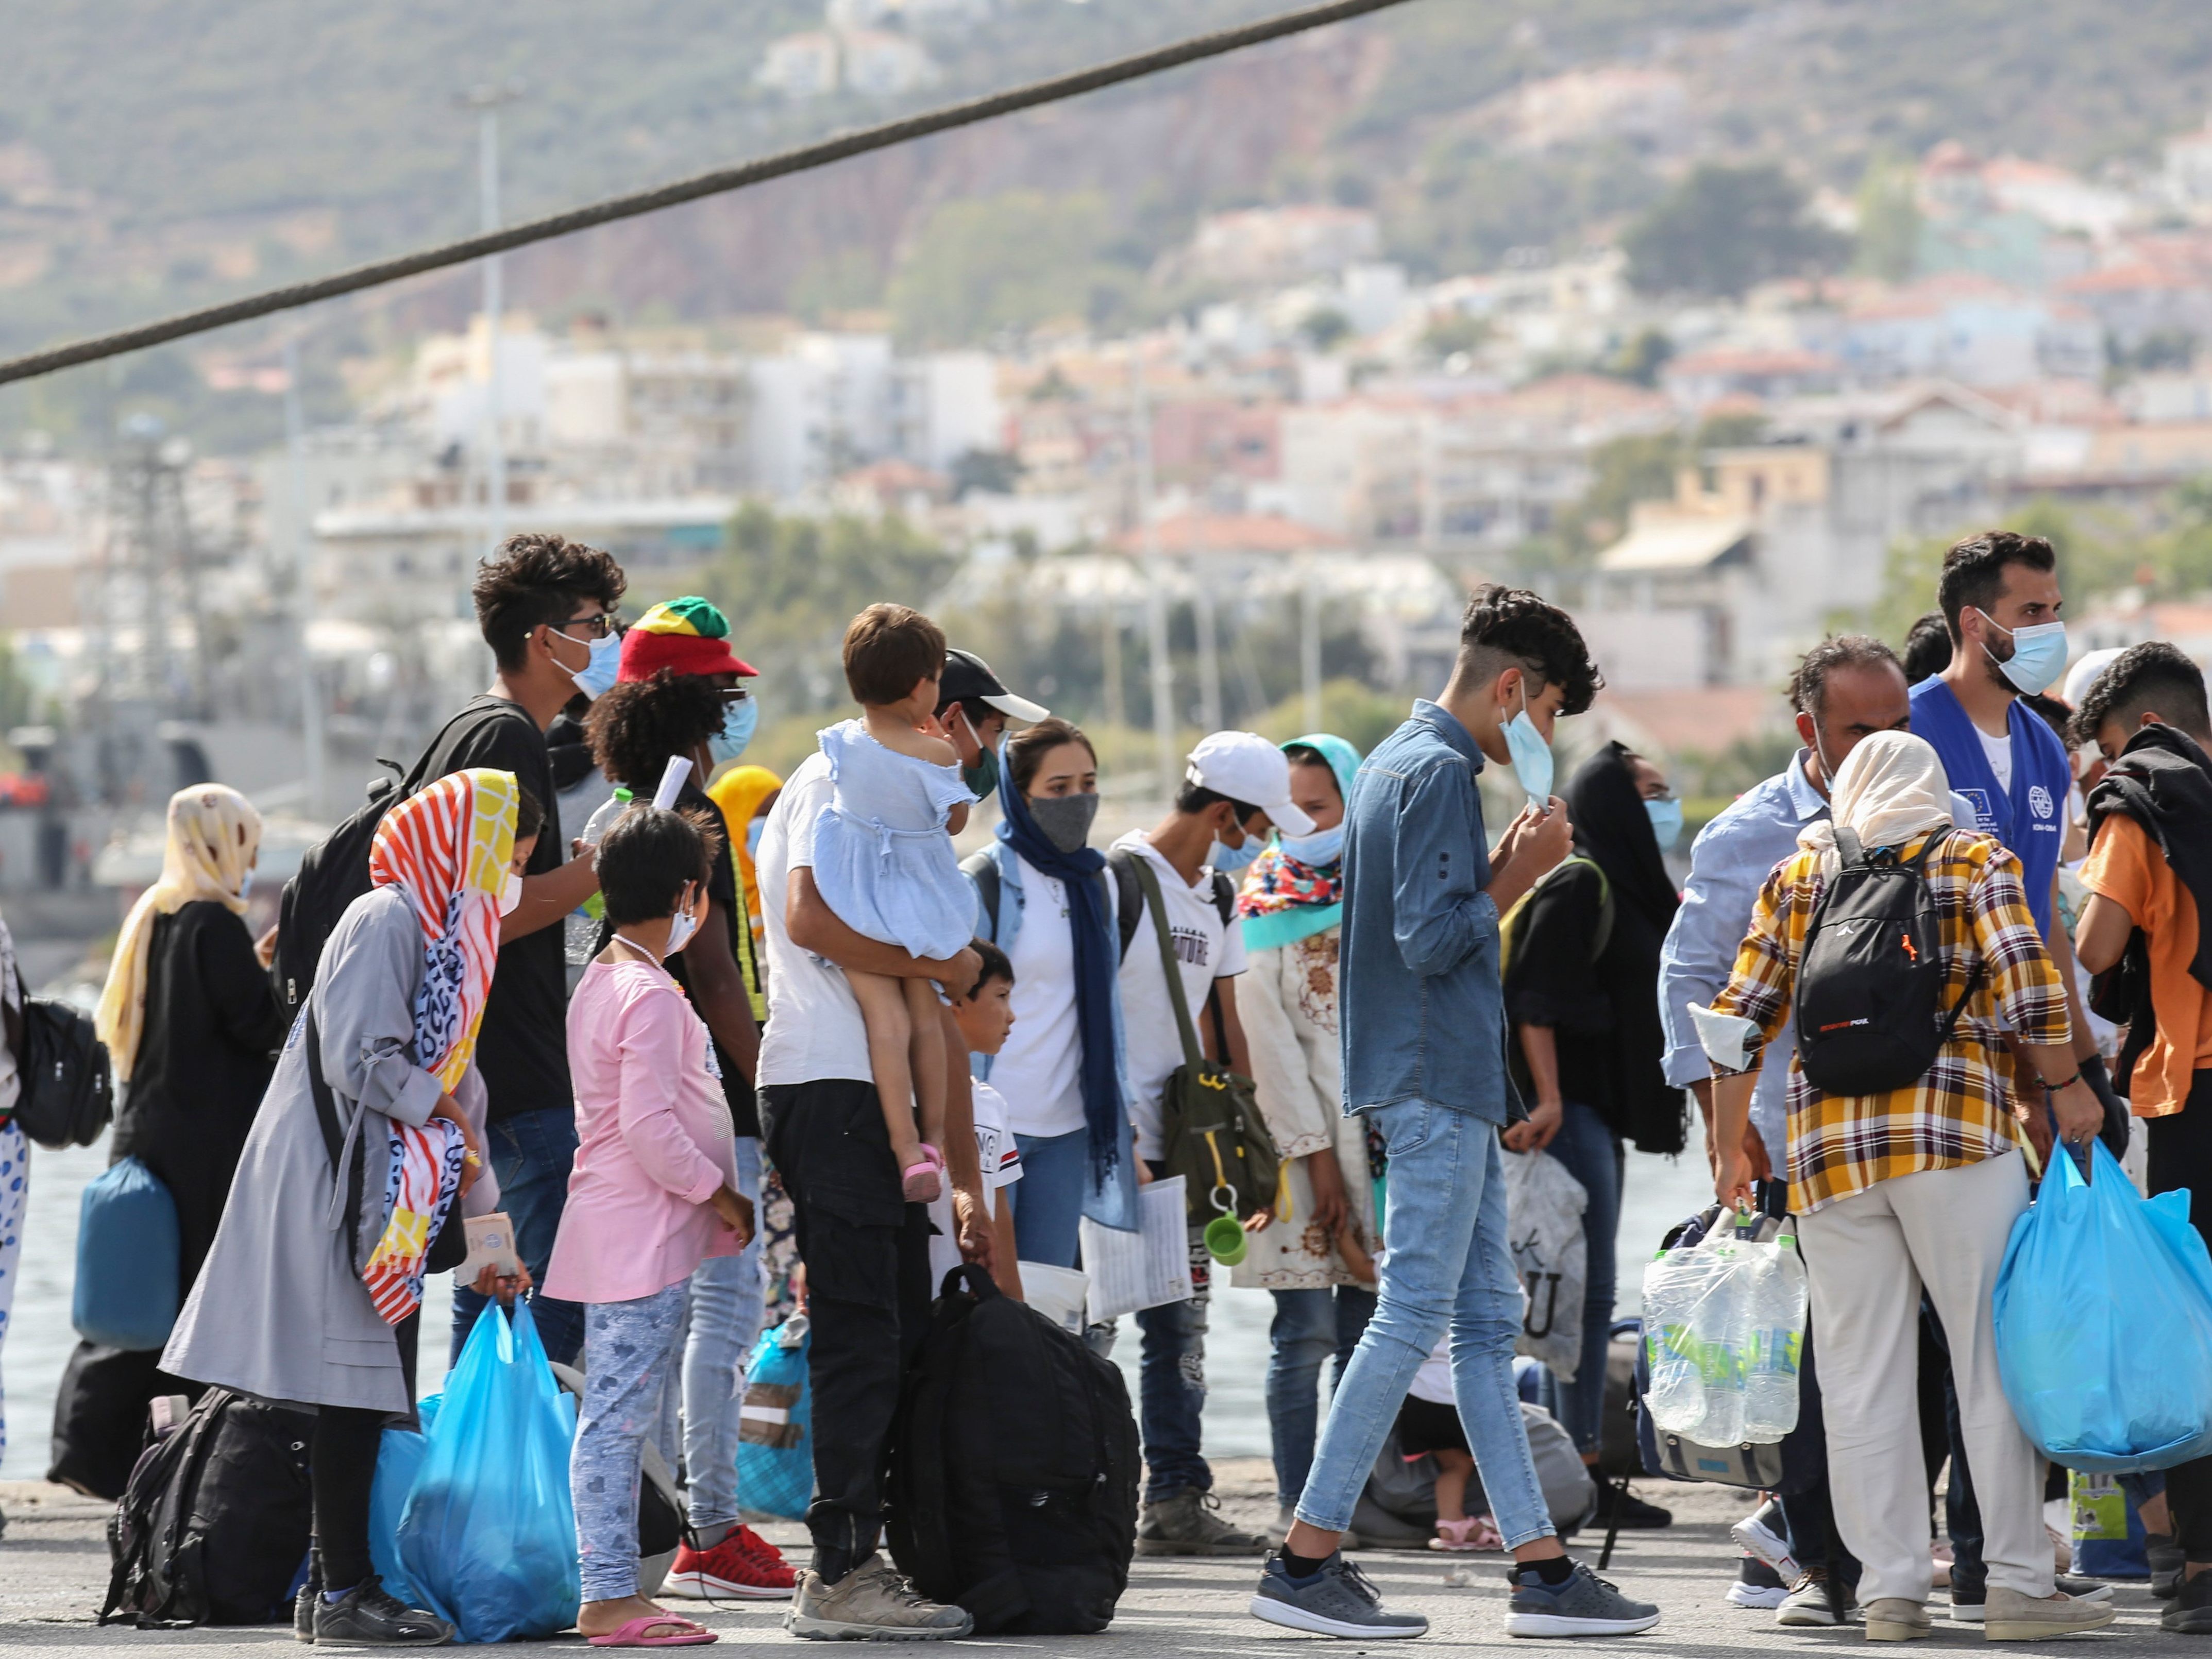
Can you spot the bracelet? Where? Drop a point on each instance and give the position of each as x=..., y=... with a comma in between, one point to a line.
x=2053, y=1088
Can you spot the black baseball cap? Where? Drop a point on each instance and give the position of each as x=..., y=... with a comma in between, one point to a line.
x=968, y=678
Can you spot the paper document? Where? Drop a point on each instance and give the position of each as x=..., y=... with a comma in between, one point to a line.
x=491, y=1239
x=671, y=782
x=1148, y=1268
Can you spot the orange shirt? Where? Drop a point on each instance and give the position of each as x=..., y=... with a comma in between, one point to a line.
x=2126, y=867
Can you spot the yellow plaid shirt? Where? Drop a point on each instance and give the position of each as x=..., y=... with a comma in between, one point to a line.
x=1956, y=1114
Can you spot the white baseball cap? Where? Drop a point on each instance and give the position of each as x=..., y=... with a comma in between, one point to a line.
x=1245, y=767
x=2083, y=674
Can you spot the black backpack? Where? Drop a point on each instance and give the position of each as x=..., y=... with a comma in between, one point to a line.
x=1870, y=981
x=1013, y=1474
x=67, y=1095
x=215, y=1524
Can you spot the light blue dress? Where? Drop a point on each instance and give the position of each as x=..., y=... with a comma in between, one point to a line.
x=883, y=859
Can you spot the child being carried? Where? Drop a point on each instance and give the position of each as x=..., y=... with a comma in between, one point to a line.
x=884, y=864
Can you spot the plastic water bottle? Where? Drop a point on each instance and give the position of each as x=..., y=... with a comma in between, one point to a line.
x=1673, y=1286
x=1777, y=1338
x=579, y=929
x=595, y=827
x=1719, y=1325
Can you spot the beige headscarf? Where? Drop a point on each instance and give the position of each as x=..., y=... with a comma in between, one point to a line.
x=213, y=835
x=1890, y=788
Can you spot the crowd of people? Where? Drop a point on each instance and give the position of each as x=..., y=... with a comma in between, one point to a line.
x=720, y=1044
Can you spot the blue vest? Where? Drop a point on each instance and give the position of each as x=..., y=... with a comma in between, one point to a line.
x=2030, y=818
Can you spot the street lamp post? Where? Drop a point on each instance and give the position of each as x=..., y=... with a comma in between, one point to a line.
x=486, y=102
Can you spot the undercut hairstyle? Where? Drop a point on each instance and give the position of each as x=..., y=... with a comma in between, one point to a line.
x=1195, y=797
x=538, y=579
x=646, y=858
x=1027, y=748
x=2153, y=678
x=1927, y=648
x=996, y=965
x=889, y=650
x=529, y=812
x=1808, y=683
x=1512, y=628
x=1305, y=754
x=1973, y=571
x=638, y=724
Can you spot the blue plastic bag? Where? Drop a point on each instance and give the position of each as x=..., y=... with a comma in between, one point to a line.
x=2103, y=1323
x=127, y=1260
x=400, y=1460
x=775, y=1434
x=489, y=1536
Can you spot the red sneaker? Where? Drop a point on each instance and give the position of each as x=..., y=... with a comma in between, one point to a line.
x=744, y=1566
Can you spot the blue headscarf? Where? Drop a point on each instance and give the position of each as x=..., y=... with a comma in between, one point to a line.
x=1284, y=900
x=1096, y=949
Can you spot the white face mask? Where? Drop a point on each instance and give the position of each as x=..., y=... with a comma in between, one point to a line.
x=682, y=926
x=510, y=894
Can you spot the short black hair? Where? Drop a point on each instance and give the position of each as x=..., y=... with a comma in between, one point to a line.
x=2155, y=675
x=647, y=857
x=1927, y=648
x=538, y=578
x=1973, y=570
x=1505, y=627
x=529, y=811
x=2051, y=711
x=638, y=724
x=996, y=965
x=1197, y=797
x=1808, y=682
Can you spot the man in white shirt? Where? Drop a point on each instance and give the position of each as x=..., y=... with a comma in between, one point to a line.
x=1235, y=786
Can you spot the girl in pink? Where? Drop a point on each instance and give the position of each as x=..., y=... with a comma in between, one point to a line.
x=654, y=1192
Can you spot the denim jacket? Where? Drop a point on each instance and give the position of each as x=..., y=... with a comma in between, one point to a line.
x=1423, y=1013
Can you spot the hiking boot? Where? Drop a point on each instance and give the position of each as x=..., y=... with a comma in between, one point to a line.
x=871, y=1603
x=1636, y=1514
x=1336, y=1599
x=1893, y=1619
x=2166, y=1559
x=1185, y=1524
x=1757, y=1585
x=2191, y=1612
x=743, y=1567
x=1586, y=1605
x=2013, y=1617
x=1811, y=1606
x=365, y=1617
x=1766, y=1534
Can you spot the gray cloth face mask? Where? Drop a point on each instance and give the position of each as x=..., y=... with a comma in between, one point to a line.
x=1066, y=820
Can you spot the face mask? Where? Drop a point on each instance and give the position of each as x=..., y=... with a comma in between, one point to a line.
x=681, y=927
x=1322, y=847
x=1230, y=859
x=1532, y=756
x=2039, y=654
x=1066, y=820
x=752, y=837
x=510, y=894
x=597, y=678
x=738, y=722
x=1665, y=821
x=246, y=887
x=983, y=778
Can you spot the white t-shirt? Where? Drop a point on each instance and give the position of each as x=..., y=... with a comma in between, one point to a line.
x=1998, y=752
x=815, y=1031
x=996, y=1154
x=1040, y=1070
x=1433, y=1382
x=1207, y=949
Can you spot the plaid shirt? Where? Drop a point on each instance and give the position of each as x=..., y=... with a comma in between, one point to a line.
x=1956, y=1114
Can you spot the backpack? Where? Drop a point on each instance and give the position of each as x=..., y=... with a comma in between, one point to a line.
x=1012, y=1489
x=334, y=872
x=1871, y=978
x=67, y=1094
x=213, y=1527
x=982, y=869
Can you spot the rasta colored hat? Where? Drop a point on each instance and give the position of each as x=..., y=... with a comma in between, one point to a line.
x=688, y=635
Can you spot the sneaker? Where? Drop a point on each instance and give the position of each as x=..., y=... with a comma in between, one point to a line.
x=1809, y=1606
x=2191, y=1612
x=744, y=1567
x=1337, y=1599
x=2166, y=1559
x=1636, y=1514
x=1893, y=1619
x=2013, y=1617
x=1186, y=1524
x=1586, y=1605
x=1764, y=1535
x=871, y=1603
x=1757, y=1585
x=303, y=1604
x=2082, y=1589
x=365, y=1617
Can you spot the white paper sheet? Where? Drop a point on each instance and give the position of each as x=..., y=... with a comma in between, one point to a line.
x=1148, y=1268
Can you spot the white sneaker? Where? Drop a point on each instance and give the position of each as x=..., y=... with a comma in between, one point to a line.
x=1757, y=1585
x=1764, y=1534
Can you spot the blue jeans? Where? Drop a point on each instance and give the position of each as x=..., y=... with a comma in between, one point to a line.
x=726, y=1298
x=631, y=1348
x=1446, y=1266
x=1048, y=1200
x=531, y=1153
x=1309, y=1326
x=1593, y=1156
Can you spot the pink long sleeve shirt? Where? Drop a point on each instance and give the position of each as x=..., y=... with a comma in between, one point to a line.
x=653, y=1140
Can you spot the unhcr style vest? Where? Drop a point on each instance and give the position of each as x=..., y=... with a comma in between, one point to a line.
x=2030, y=818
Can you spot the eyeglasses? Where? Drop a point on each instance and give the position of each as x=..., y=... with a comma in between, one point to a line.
x=597, y=627
x=735, y=694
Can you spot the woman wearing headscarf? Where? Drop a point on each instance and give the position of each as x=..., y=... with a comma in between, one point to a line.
x=1316, y=1259
x=745, y=793
x=316, y=1270
x=1583, y=957
x=1915, y=1189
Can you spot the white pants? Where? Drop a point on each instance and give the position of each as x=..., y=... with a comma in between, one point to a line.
x=1868, y=1257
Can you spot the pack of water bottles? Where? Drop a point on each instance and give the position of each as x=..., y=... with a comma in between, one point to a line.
x=1725, y=1331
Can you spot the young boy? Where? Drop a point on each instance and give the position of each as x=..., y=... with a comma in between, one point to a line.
x=985, y=1016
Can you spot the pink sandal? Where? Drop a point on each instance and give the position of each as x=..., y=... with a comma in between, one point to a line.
x=921, y=1182
x=633, y=1634
x=1477, y=1531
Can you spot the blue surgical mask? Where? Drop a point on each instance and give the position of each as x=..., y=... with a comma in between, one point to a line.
x=1532, y=756
x=1323, y=847
x=597, y=678
x=753, y=828
x=738, y=721
x=1230, y=859
x=245, y=886
x=2039, y=654
x=1665, y=821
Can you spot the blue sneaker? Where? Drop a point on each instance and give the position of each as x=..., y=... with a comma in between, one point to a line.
x=1586, y=1605
x=1336, y=1601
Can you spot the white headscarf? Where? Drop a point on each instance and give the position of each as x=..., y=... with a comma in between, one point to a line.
x=1890, y=788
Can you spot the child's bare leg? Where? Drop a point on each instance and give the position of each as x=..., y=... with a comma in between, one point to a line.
x=1452, y=1468
x=884, y=1009
x=926, y=1051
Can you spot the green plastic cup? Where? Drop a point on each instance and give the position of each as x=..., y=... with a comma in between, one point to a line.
x=1225, y=1240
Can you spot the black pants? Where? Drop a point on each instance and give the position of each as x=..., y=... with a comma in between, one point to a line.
x=2180, y=1147
x=342, y=1467
x=866, y=1252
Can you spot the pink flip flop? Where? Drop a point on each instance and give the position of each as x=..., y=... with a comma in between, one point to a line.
x=920, y=1182
x=632, y=1635
x=1477, y=1531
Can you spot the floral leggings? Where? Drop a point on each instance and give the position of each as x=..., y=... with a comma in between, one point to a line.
x=14, y=1191
x=630, y=1353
